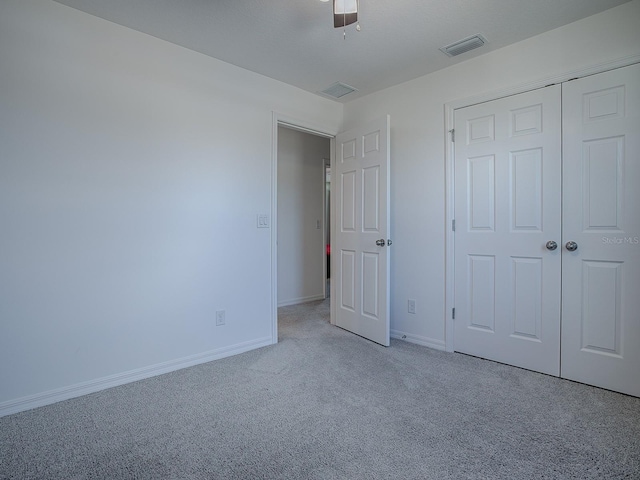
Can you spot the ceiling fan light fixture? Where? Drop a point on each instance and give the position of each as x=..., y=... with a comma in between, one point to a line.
x=345, y=12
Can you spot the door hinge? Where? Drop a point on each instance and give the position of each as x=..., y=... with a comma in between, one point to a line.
x=453, y=225
x=453, y=134
x=453, y=313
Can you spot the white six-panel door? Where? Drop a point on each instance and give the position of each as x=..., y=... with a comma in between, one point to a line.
x=601, y=186
x=507, y=207
x=508, y=199
x=361, y=253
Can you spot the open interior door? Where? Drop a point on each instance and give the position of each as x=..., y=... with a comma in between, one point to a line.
x=361, y=251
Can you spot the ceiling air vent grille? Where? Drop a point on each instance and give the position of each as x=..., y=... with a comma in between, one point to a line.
x=338, y=90
x=464, y=45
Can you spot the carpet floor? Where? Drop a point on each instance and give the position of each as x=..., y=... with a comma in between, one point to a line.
x=327, y=404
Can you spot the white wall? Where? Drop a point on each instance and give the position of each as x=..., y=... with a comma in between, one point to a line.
x=132, y=170
x=301, y=184
x=131, y=174
x=418, y=142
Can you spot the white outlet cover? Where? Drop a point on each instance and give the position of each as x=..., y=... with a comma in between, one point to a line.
x=411, y=304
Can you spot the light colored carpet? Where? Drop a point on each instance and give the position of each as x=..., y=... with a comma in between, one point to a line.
x=326, y=404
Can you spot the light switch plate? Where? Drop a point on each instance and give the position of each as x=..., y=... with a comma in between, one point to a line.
x=263, y=220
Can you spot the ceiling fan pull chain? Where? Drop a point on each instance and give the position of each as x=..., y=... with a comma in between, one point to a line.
x=344, y=24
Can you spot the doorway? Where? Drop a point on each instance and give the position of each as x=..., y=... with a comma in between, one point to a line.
x=302, y=228
x=368, y=226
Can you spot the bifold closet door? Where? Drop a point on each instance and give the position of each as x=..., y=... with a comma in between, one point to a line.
x=601, y=216
x=508, y=218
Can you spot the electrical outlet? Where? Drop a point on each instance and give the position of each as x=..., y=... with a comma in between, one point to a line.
x=220, y=318
x=411, y=304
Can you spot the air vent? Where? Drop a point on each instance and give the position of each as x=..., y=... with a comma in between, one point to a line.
x=464, y=45
x=338, y=90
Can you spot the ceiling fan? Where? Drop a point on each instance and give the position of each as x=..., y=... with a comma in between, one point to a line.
x=345, y=12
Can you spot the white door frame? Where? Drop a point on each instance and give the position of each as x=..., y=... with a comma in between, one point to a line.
x=279, y=119
x=449, y=112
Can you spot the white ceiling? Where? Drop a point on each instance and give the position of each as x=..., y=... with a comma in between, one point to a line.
x=294, y=40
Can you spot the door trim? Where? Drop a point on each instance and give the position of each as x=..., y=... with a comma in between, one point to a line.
x=449, y=115
x=280, y=119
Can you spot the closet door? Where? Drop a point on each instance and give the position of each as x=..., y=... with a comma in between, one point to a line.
x=601, y=230
x=507, y=213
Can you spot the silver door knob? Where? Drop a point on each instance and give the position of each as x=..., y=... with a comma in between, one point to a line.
x=389, y=242
x=571, y=246
x=380, y=242
x=551, y=245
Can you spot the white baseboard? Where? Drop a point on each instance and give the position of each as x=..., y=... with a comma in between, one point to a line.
x=417, y=339
x=296, y=301
x=91, y=386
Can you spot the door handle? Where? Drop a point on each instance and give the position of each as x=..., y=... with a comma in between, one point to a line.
x=571, y=246
x=551, y=245
x=380, y=242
